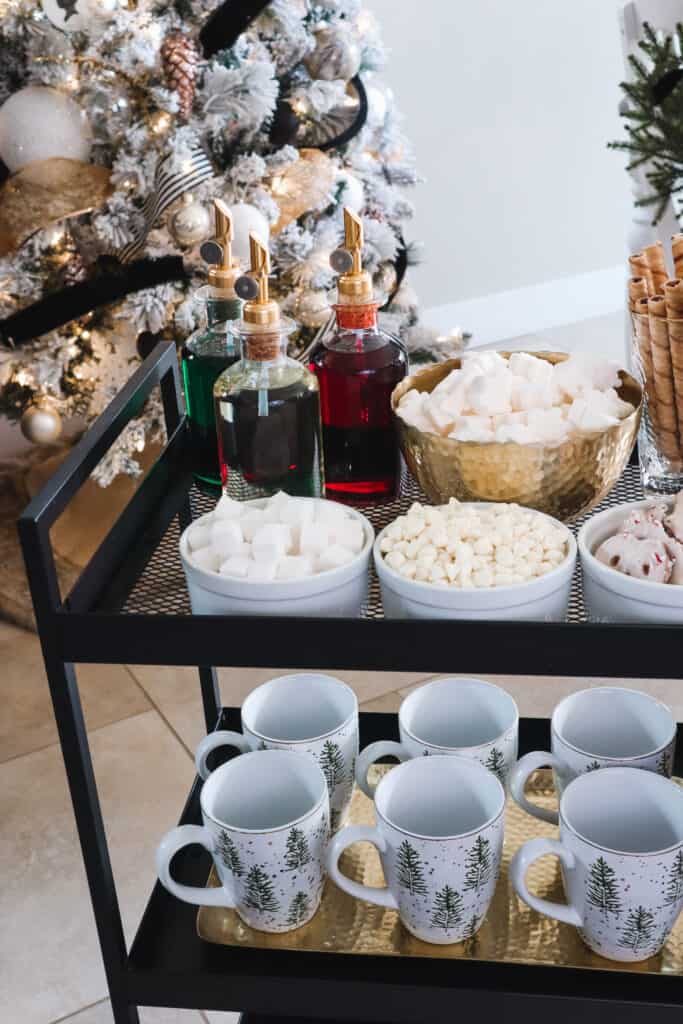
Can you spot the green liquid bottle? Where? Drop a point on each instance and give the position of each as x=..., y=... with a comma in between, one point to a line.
x=211, y=350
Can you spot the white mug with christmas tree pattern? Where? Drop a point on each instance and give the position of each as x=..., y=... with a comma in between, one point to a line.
x=439, y=834
x=266, y=825
x=308, y=712
x=621, y=853
x=604, y=727
x=468, y=717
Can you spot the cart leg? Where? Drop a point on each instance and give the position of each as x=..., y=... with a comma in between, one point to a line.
x=211, y=695
x=86, y=805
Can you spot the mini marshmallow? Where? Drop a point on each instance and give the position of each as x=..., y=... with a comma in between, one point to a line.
x=236, y=566
x=199, y=535
x=314, y=538
x=206, y=559
x=228, y=508
x=294, y=567
x=334, y=557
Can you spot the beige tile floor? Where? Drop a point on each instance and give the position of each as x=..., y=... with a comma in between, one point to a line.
x=143, y=724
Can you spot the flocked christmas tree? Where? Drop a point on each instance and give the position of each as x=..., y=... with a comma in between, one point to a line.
x=409, y=869
x=131, y=117
x=638, y=931
x=229, y=854
x=259, y=891
x=297, y=853
x=478, y=865
x=299, y=909
x=674, y=884
x=603, y=891
x=447, y=912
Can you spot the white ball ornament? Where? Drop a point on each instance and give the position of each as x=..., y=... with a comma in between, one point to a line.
x=377, y=106
x=39, y=122
x=41, y=424
x=191, y=224
x=79, y=15
x=245, y=220
x=312, y=308
x=352, y=194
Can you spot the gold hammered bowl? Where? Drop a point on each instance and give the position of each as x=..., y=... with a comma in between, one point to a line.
x=565, y=480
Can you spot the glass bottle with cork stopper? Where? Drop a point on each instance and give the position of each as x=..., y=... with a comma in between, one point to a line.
x=267, y=405
x=210, y=350
x=358, y=366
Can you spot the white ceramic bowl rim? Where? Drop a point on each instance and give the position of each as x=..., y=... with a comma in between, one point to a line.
x=422, y=587
x=649, y=591
x=327, y=576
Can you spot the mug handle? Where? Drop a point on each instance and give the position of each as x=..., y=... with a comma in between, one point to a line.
x=383, y=748
x=520, y=864
x=347, y=837
x=220, y=738
x=200, y=895
x=518, y=778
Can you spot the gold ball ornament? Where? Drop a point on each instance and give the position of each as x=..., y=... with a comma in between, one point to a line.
x=302, y=186
x=336, y=54
x=41, y=424
x=191, y=224
x=312, y=309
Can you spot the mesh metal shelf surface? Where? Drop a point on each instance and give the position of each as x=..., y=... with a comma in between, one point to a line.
x=161, y=588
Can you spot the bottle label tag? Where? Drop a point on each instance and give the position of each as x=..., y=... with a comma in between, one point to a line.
x=356, y=318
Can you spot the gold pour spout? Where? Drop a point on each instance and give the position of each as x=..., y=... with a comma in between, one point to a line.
x=225, y=269
x=260, y=309
x=355, y=284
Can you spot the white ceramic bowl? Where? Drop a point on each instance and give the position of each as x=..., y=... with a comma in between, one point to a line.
x=611, y=596
x=336, y=592
x=544, y=598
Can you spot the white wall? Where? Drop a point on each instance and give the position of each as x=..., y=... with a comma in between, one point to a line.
x=509, y=105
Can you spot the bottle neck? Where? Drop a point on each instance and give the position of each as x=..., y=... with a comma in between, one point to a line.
x=268, y=348
x=219, y=309
x=356, y=318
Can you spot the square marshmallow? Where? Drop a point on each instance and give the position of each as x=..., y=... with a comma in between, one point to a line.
x=199, y=535
x=314, y=538
x=271, y=542
x=293, y=567
x=330, y=513
x=237, y=566
x=297, y=512
x=334, y=557
x=206, y=559
x=226, y=538
x=351, y=535
x=227, y=508
x=262, y=572
x=250, y=523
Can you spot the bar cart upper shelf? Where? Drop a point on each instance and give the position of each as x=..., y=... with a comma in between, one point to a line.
x=129, y=605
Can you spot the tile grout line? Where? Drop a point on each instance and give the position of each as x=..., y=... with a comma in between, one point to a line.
x=160, y=713
x=82, y=1009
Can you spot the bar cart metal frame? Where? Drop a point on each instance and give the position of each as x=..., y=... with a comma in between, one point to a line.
x=167, y=964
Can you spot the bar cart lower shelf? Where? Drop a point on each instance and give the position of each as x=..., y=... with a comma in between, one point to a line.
x=123, y=610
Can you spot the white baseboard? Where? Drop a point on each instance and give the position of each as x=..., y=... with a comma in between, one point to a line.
x=492, y=318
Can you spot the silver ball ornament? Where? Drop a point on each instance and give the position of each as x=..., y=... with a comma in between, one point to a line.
x=336, y=54
x=191, y=224
x=312, y=309
x=41, y=424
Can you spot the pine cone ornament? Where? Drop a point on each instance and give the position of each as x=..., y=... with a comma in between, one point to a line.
x=180, y=58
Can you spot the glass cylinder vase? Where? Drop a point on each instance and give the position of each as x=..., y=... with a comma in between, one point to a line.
x=657, y=350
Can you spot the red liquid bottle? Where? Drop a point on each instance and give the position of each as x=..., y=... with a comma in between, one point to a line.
x=357, y=368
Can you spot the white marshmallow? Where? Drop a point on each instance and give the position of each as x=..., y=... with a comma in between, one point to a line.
x=226, y=538
x=314, y=538
x=262, y=572
x=294, y=567
x=271, y=542
x=250, y=523
x=334, y=557
x=297, y=512
x=236, y=566
x=206, y=559
x=350, y=534
x=228, y=508
x=199, y=535
x=491, y=395
x=331, y=513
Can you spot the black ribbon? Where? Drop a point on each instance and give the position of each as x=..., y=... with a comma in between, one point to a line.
x=227, y=23
x=358, y=121
x=112, y=282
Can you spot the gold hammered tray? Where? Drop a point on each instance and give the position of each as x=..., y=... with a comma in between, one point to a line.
x=511, y=931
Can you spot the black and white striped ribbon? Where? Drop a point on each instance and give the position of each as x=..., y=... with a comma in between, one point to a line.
x=168, y=186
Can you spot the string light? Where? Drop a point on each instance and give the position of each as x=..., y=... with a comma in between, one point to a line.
x=160, y=122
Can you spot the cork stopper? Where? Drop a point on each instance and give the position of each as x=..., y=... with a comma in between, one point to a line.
x=217, y=251
x=355, y=284
x=261, y=348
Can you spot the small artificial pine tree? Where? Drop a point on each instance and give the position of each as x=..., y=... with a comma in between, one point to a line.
x=335, y=818
x=332, y=764
x=297, y=853
x=478, y=863
x=259, y=891
x=299, y=909
x=410, y=874
x=674, y=888
x=638, y=930
x=447, y=912
x=229, y=854
x=602, y=887
x=592, y=767
x=495, y=763
x=664, y=765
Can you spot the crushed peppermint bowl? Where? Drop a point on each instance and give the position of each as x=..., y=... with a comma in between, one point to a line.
x=282, y=555
x=609, y=593
x=475, y=560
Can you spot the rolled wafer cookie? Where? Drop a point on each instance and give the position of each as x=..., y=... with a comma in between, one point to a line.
x=641, y=334
x=673, y=297
x=640, y=268
x=677, y=253
x=656, y=263
x=667, y=420
x=637, y=289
